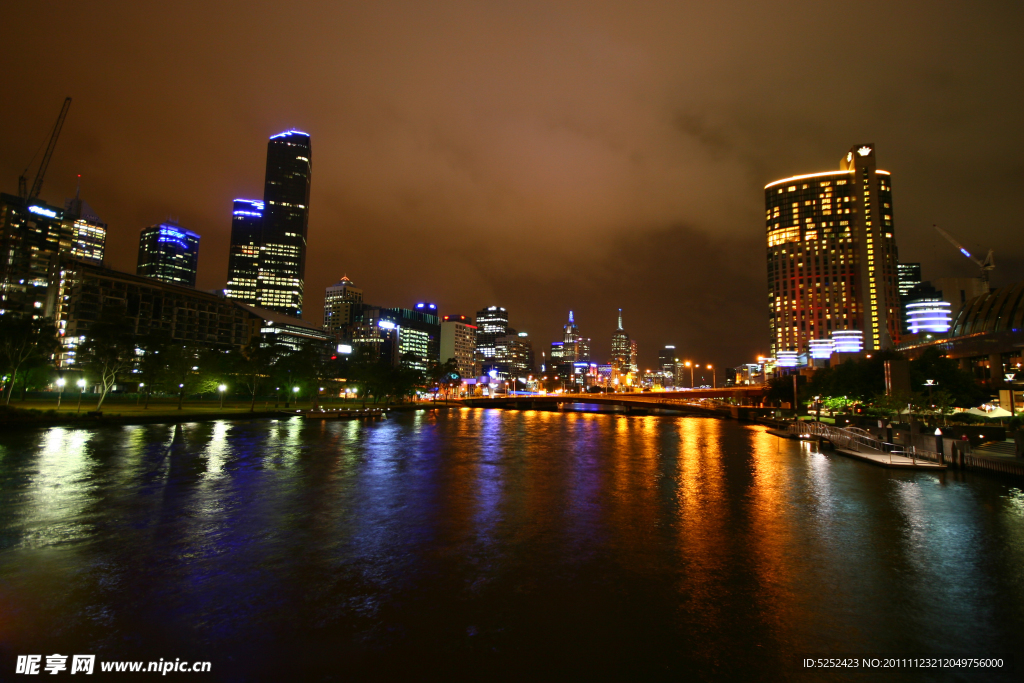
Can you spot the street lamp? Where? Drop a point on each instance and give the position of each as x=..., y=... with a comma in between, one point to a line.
x=690, y=365
x=1010, y=376
x=81, y=390
x=930, y=383
x=60, y=383
x=221, y=389
x=138, y=399
x=714, y=383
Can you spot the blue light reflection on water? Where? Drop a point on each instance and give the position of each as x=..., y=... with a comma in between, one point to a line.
x=482, y=539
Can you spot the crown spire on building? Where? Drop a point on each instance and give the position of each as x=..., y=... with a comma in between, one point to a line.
x=620, y=318
x=571, y=321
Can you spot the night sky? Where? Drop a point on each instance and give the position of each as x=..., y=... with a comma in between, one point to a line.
x=542, y=156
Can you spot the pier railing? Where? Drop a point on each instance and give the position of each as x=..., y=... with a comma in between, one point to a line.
x=854, y=438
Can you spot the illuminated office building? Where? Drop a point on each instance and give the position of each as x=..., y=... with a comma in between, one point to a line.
x=340, y=301
x=282, y=266
x=244, y=254
x=458, y=343
x=88, y=232
x=169, y=253
x=832, y=255
x=32, y=236
x=267, y=262
x=621, y=349
x=491, y=323
x=909, y=276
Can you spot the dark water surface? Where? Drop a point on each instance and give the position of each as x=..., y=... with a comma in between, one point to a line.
x=488, y=545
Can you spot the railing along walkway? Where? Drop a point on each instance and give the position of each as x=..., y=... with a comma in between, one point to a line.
x=859, y=441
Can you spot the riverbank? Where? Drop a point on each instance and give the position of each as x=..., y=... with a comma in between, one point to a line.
x=36, y=413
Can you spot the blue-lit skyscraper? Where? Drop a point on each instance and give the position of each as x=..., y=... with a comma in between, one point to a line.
x=282, y=262
x=243, y=258
x=170, y=253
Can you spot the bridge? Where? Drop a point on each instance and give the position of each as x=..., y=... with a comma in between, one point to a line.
x=745, y=405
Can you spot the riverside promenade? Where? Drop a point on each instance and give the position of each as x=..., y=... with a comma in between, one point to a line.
x=857, y=443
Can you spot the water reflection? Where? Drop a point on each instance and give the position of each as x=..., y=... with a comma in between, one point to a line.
x=495, y=541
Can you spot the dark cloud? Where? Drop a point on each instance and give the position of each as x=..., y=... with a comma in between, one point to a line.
x=537, y=155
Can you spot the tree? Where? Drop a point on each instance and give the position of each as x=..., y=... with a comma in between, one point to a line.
x=109, y=349
x=24, y=341
x=254, y=364
x=961, y=385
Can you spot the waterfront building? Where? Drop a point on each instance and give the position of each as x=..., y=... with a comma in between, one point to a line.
x=513, y=356
x=169, y=253
x=88, y=231
x=282, y=262
x=82, y=291
x=274, y=327
x=244, y=252
x=32, y=237
x=458, y=342
x=832, y=258
x=407, y=336
x=341, y=303
x=491, y=323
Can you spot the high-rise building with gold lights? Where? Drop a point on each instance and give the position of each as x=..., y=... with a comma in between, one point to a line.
x=832, y=260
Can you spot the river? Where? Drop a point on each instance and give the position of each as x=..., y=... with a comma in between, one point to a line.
x=491, y=544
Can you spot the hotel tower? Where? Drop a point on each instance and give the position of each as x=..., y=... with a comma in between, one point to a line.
x=832, y=273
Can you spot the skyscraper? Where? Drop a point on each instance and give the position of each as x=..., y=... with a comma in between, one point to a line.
x=832, y=255
x=32, y=235
x=276, y=228
x=169, y=253
x=575, y=347
x=244, y=254
x=339, y=300
x=282, y=267
x=620, y=348
x=88, y=232
x=491, y=323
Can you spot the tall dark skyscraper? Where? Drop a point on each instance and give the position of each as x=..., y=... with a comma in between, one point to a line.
x=169, y=253
x=282, y=265
x=274, y=230
x=243, y=259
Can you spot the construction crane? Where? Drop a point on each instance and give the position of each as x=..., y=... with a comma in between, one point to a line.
x=37, y=185
x=988, y=265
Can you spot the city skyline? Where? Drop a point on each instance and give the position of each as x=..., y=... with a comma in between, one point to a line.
x=596, y=171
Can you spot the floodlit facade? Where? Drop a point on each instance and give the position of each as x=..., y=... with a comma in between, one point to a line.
x=169, y=253
x=458, y=341
x=832, y=258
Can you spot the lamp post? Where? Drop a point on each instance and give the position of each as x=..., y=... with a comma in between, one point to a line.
x=60, y=392
x=714, y=383
x=930, y=383
x=138, y=399
x=1010, y=376
x=295, y=391
x=81, y=390
x=221, y=389
x=690, y=365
